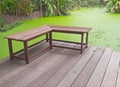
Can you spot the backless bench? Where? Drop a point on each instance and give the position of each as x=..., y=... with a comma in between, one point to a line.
x=47, y=29
x=25, y=37
x=74, y=30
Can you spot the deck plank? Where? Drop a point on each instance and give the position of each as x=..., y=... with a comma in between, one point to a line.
x=39, y=70
x=118, y=79
x=62, y=72
x=69, y=58
x=96, y=67
x=96, y=78
x=88, y=70
x=112, y=71
x=19, y=73
x=72, y=75
x=15, y=64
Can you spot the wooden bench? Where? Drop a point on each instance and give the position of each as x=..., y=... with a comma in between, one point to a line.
x=74, y=30
x=25, y=37
x=45, y=30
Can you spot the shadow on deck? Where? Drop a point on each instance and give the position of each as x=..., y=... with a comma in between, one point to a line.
x=96, y=67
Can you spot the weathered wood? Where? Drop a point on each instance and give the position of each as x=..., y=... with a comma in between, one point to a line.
x=74, y=72
x=70, y=29
x=58, y=65
x=112, y=71
x=47, y=37
x=10, y=49
x=26, y=52
x=36, y=32
x=30, y=34
x=82, y=41
x=54, y=80
x=86, y=40
x=50, y=40
x=14, y=74
x=67, y=62
x=36, y=72
x=84, y=75
x=118, y=79
x=97, y=76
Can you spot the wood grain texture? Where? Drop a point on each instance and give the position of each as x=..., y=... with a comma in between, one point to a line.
x=63, y=71
x=96, y=67
x=112, y=71
x=88, y=70
x=118, y=79
x=97, y=76
x=72, y=75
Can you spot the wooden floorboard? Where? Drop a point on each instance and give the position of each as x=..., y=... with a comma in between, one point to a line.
x=67, y=62
x=19, y=73
x=70, y=77
x=112, y=71
x=88, y=70
x=96, y=67
x=118, y=79
x=98, y=74
x=62, y=72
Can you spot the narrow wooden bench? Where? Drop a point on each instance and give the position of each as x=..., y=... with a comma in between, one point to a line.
x=74, y=30
x=27, y=36
x=47, y=30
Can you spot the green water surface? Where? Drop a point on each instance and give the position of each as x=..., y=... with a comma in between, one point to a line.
x=105, y=29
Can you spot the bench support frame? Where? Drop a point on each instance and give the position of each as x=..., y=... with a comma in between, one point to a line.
x=49, y=39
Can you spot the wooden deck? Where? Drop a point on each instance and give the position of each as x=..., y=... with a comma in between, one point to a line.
x=96, y=67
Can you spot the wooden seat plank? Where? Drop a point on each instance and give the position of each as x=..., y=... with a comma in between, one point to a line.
x=36, y=32
x=30, y=33
x=70, y=29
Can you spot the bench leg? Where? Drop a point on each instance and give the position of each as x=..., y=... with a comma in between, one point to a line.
x=47, y=37
x=50, y=40
x=86, y=40
x=26, y=52
x=82, y=38
x=10, y=49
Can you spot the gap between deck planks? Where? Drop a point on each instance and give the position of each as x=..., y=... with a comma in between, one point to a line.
x=110, y=78
x=98, y=74
x=54, y=80
x=96, y=67
x=82, y=69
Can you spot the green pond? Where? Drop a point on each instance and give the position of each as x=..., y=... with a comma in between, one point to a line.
x=105, y=29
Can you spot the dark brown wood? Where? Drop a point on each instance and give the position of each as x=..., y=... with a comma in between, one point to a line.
x=26, y=52
x=10, y=49
x=86, y=39
x=65, y=67
x=67, y=41
x=69, y=29
x=18, y=57
x=30, y=34
x=97, y=77
x=47, y=37
x=82, y=38
x=29, y=46
x=45, y=30
x=66, y=47
x=38, y=53
x=50, y=40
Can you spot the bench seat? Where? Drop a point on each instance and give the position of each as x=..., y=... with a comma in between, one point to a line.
x=46, y=30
